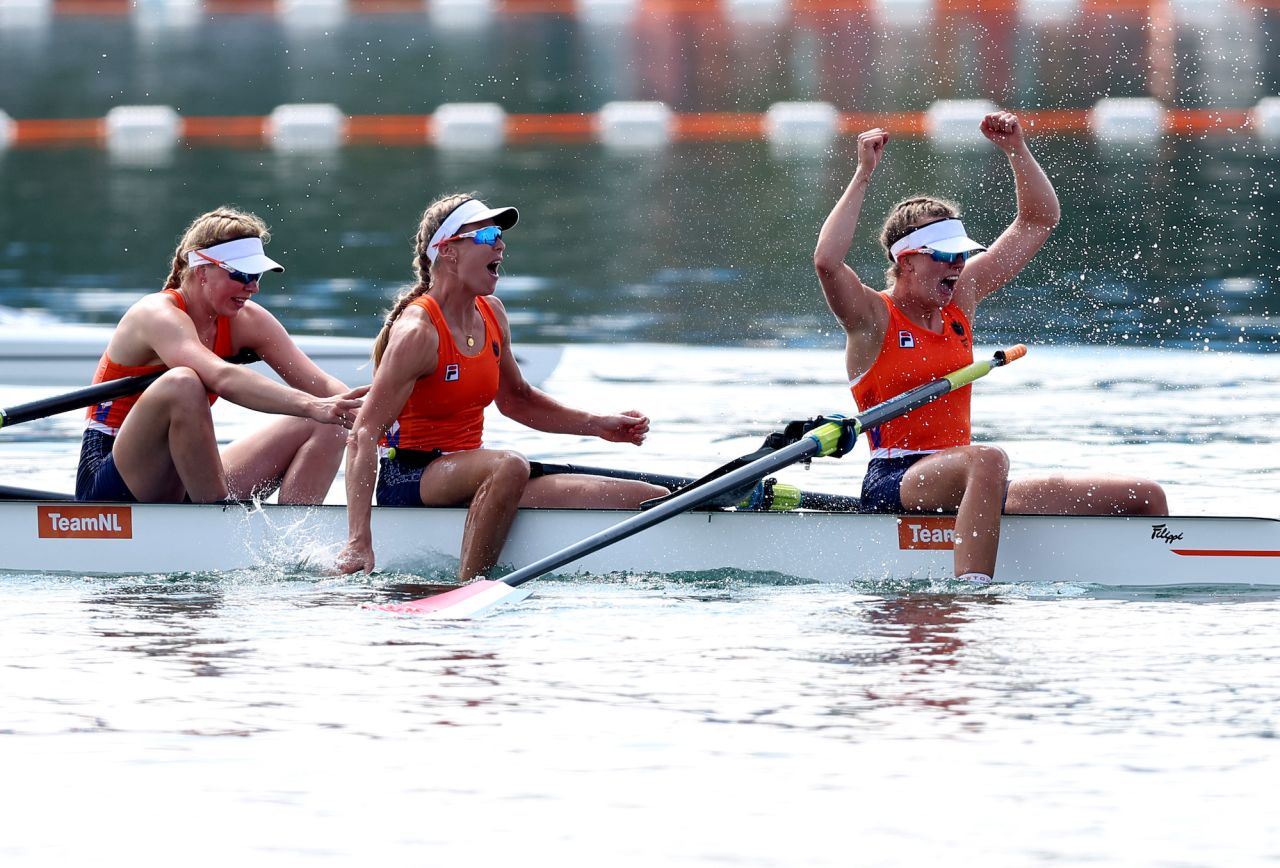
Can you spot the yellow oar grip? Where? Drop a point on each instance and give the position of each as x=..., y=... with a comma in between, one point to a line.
x=828, y=437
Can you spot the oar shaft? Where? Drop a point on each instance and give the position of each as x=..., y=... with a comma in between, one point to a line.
x=94, y=394
x=680, y=503
x=823, y=440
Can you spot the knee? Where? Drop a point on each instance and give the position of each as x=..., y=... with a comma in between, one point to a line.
x=1148, y=498
x=988, y=464
x=509, y=471
x=180, y=387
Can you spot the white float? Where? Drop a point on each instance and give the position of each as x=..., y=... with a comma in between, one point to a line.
x=635, y=125
x=306, y=127
x=957, y=123
x=149, y=128
x=807, y=126
x=1128, y=120
x=1266, y=119
x=607, y=12
x=469, y=125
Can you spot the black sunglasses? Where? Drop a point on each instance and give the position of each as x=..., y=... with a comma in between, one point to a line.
x=238, y=276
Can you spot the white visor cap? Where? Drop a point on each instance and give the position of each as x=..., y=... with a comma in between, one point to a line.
x=243, y=254
x=945, y=236
x=470, y=211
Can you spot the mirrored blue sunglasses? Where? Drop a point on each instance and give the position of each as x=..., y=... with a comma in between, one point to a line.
x=484, y=235
x=939, y=256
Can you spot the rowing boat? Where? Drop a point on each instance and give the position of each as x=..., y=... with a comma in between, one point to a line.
x=35, y=352
x=821, y=546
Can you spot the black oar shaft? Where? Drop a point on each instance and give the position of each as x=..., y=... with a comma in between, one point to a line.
x=680, y=503
x=94, y=394
x=822, y=440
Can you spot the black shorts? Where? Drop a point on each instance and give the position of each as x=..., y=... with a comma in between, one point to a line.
x=97, y=477
x=882, y=486
x=400, y=478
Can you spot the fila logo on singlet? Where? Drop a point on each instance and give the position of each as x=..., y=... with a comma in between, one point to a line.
x=906, y=340
x=451, y=373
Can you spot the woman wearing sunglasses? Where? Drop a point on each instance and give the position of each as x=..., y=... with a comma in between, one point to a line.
x=159, y=446
x=919, y=329
x=442, y=357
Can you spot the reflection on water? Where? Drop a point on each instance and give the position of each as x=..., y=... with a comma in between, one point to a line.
x=701, y=244
x=696, y=57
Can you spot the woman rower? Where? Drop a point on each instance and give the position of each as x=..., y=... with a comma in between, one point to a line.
x=919, y=329
x=160, y=446
x=444, y=355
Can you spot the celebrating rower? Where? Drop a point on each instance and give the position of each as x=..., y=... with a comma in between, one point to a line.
x=160, y=446
x=442, y=357
x=919, y=329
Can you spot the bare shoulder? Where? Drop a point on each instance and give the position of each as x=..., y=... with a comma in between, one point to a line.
x=412, y=344
x=498, y=308
x=134, y=340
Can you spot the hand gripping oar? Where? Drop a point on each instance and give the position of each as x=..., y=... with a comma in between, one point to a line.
x=834, y=436
x=95, y=394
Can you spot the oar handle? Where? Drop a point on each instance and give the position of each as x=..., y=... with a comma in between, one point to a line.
x=95, y=394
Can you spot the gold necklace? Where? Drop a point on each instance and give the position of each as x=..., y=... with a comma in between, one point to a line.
x=471, y=342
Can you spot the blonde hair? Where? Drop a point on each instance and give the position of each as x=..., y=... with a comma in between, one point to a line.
x=431, y=220
x=214, y=227
x=908, y=215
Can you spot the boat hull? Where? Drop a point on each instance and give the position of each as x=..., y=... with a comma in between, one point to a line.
x=112, y=539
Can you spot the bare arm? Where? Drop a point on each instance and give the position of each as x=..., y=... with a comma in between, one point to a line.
x=411, y=353
x=855, y=305
x=1038, y=214
x=263, y=333
x=155, y=331
x=518, y=399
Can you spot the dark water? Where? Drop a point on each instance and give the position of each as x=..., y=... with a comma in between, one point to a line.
x=701, y=243
x=704, y=244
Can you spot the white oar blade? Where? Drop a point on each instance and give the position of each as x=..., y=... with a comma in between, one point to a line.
x=468, y=601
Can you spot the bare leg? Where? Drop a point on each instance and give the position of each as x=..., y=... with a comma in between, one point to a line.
x=588, y=492
x=971, y=481
x=166, y=447
x=492, y=481
x=1100, y=495
x=299, y=455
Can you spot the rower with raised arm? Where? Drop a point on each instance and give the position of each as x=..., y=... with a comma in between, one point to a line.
x=919, y=328
x=442, y=357
x=160, y=446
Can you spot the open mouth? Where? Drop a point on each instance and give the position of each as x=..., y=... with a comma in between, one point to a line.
x=949, y=283
x=493, y=266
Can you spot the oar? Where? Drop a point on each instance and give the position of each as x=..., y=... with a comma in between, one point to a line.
x=95, y=394
x=791, y=499
x=831, y=438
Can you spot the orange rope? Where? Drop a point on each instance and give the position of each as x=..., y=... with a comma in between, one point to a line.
x=580, y=127
x=58, y=131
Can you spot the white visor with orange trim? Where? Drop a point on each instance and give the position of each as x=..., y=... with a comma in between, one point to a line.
x=470, y=211
x=945, y=236
x=243, y=254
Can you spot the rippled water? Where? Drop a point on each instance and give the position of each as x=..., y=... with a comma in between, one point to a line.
x=681, y=719
x=668, y=719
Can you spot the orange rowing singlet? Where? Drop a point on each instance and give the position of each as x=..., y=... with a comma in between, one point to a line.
x=911, y=356
x=108, y=416
x=445, y=410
